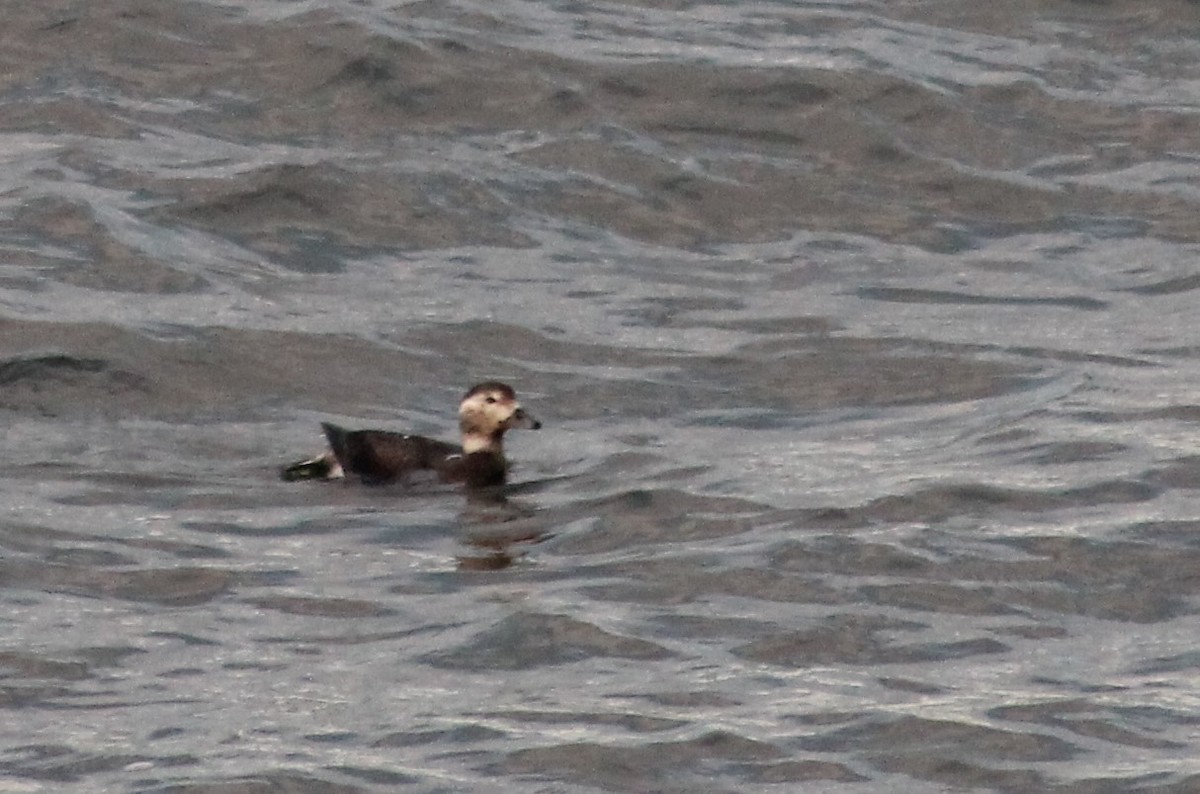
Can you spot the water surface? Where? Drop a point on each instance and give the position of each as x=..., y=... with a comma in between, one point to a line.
x=862, y=335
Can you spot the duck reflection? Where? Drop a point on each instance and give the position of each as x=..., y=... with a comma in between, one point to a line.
x=498, y=530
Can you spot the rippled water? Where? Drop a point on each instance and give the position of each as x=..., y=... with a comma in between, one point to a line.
x=862, y=334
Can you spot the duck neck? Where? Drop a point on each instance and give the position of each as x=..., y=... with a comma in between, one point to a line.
x=474, y=440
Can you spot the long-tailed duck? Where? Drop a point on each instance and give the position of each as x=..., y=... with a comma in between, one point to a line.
x=379, y=456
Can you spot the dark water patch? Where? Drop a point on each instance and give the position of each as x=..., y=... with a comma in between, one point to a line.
x=482, y=341
x=109, y=655
x=165, y=733
x=78, y=548
x=335, y=737
x=302, y=203
x=189, y=640
x=318, y=526
x=637, y=518
x=98, y=259
x=1158, y=604
x=272, y=668
x=490, y=561
x=501, y=548
x=376, y=777
x=961, y=774
x=396, y=83
x=1184, y=532
x=27, y=696
x=403, y=532
x=697, y=699
x=777, y=326
x=1036, y=631
x=1185, y=352
x=63, y=764
x=104, y=370
x=1169, y=286
x=460, y=734
x=89, y=558
x=308, y=643
x=1112, y=580
x=679, y=581
x=20, y=665
x=857, y=640
x=184, y=672
x=791, y=374
x=918, y=738
x=846, y=555
x=1183, y=662
x=651, y=199
x=177, y=548
x=1159, y=783
x=942, y=502
x=369, y=69
x=1065, y=452
x=919, y=560
x=308, y=251
x=265, y=782
x=647, y=396
x=1182, y=413
x=165, y=586
x=846, y=372
x=120, y=482
x=1073, y=357
x=324, y=607
x=37, y=383
x=169, y=587
x=182, y=497
x=947, y=599
x=1120, y=580
x=817, y=174
x=674, y=312
x=1179, y=474
x=718, y=131
x=39, y=539
x=753, y=419
x=1104, y=227
x=908, y=685
x=1089, y=720
x=701, y=627
x=911, y=295
x=1011, y=435
x=800, y=772
x=659, y=766
x=528, y=640
x=635, y=723
x=781, y=95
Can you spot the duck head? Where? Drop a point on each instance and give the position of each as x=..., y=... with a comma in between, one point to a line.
x=486, y=412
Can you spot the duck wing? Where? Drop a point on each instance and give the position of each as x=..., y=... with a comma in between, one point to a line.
x=382, y=456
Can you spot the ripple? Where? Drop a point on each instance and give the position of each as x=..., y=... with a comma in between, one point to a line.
x=527, y=640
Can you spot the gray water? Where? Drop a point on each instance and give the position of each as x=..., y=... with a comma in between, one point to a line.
x=862, y=334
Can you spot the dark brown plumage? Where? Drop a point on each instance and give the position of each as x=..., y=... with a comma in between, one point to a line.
x=487, y=411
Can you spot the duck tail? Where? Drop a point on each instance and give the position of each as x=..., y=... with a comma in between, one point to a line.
x=322, y=467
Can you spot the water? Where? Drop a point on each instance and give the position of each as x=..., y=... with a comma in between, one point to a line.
x=862, y=335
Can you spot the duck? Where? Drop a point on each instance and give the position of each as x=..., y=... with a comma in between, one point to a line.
x=486, y=412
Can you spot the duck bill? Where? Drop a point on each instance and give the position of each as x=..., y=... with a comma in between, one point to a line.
x=523, y=421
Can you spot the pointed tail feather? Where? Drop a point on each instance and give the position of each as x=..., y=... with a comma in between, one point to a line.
x=336, y=437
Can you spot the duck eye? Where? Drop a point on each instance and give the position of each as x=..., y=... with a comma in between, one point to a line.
x=490, y=399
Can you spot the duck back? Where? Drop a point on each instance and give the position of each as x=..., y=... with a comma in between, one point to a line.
x=379, y=456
